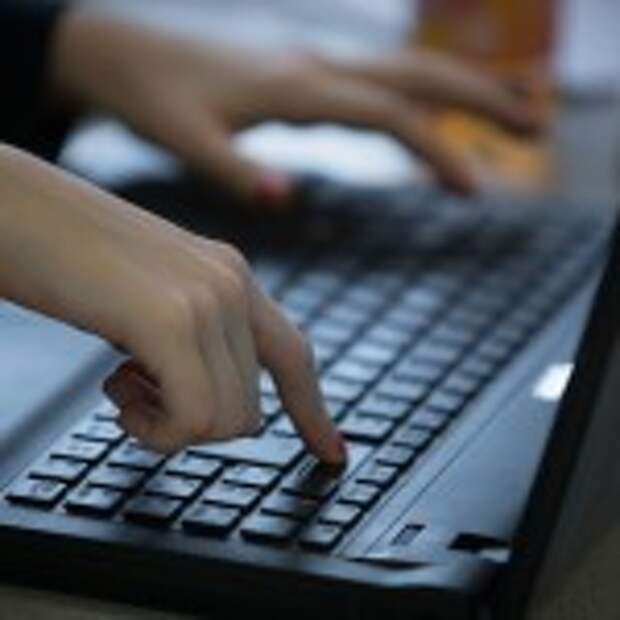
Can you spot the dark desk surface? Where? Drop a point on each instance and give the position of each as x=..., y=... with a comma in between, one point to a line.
x=587, y=142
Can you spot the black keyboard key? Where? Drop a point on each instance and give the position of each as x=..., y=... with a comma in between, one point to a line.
x=382, y=407
x=396, y=456
x=65, y=470
x=99, y=430
x=36, y=492
x=442, y=355
x=94, y=501
x=133, y=455
x=225, y=494
x=366, y=428
x=313, y=480
x=461, y=384
x=409, y=391
x=418, y=371
x=388, y=335
x=152, y=510
x=347, y=391
x=353, y=370
x=290, y=506
x=80, y=450
x=407, y=319
x=375, y=473
x=428, y=419
x=211, y=520
x=194, y=466
x=363, y=495
x=344, y=515
x=120, y=478
x=321, y=537
x=179, y=487
x=446, y=402
x=269, y=529
x=369, y=353
x=479, y=368
x=271, y=450
x=331, y=332
x=252, y=475
x=415, y=438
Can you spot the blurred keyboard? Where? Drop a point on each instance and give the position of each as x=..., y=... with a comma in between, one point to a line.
x=411, y=315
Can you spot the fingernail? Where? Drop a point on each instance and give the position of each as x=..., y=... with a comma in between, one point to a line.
x=273, y=189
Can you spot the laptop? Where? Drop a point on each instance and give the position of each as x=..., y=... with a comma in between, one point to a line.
x=467, y=350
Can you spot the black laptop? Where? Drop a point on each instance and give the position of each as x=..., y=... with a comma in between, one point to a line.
x=446, y=333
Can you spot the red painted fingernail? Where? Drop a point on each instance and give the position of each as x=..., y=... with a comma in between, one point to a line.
x=273, y=189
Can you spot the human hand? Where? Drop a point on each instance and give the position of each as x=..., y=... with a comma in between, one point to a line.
x=190, y=97
x=186, y=309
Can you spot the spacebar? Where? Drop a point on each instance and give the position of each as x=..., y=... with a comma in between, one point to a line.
x=268, y=450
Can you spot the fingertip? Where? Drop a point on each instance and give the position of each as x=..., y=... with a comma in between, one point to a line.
x=273, y=189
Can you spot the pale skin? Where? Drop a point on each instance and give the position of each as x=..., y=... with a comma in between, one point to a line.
x=187, y=310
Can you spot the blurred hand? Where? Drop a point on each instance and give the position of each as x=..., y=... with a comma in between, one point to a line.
x=186, y=309
x=190, y=96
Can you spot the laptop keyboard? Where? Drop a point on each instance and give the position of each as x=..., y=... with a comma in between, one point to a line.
x=409, y=323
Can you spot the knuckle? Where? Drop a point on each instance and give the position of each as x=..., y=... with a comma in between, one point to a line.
x=232, y=258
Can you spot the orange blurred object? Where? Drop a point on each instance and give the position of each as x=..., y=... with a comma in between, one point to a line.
x=513, y=39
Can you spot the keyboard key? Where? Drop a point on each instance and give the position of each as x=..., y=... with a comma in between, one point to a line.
x=321, y=537
x=65, y=470
x=439, y=354
x=479, y=368
x=353, y=370
x=428, y=419
x=195, y=466
x=362, y=495
x=382, y=407
x=407, y=319
x=461, y=384
x=120, y=478
x=80, y=450
x=446, y=402
x=179, y=487
x=290, y=506
x=313, y=480
x=133, y=455
x=403, y=390
x=211, y=520
x=280, y=452
x=415, y=438
x=252, y=475
x=347, y=391
x=375, y=473
x=225, y=494
x=152, y=510
x=344, y=515
x=366, y=428
x=39, y=493
x=371, y=353
x=332, y=332
x=269, y=529
x=387, y=335
x=95, y=501
x=99, y=430
x=418, y=371
x=395, y=456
